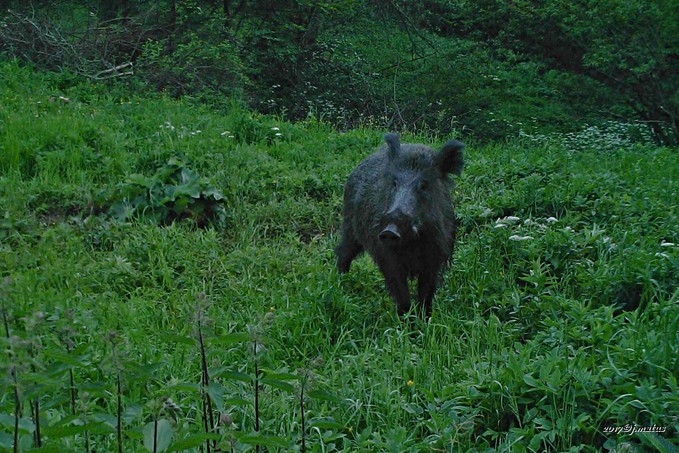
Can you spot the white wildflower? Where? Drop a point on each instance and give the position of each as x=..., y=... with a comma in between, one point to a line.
x=508, y=219
x=225, y=133
x=275, y=128
x=167, y=125
x=516, y=237
x=278, y=134
x=552, y=220
x=501, y=225
x=666, y=244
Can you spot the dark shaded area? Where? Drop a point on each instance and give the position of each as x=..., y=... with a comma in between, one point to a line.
x=490, y=68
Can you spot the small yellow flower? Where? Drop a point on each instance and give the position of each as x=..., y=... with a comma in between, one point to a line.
x=410, y=383
x=351, y=429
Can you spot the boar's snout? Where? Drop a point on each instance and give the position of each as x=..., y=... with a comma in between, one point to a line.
x=390, y=235
x=399, y=227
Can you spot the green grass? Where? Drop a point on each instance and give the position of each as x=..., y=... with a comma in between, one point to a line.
x=545, y=332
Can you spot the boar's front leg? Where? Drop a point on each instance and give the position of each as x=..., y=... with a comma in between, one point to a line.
x=346, y=251
x=426, y=288
x=396, y=280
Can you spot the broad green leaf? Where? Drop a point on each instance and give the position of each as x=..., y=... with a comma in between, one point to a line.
x=413, y=409
x=25, y=424
x=235, y=375
x=326, y=423
x=174, y=162
x=264, y=440
x=143, y=371
x=188, y=176
x=190, y=185
x=213, y=193
x=174, y=338
x=132, y=411
x=323, y=395
x=6, y=441
x=139, y=180
x=121, y=210
x=661, y=444
x=58, y=355
x=216, y=392
x=67, y=421
x=193, y=441
x=107, y=420
x=278, y=384
x=57, y=432
x=530, y=380
x=101, y=428
x=163, y=435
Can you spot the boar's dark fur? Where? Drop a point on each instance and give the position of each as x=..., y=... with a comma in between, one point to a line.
x=397, y=207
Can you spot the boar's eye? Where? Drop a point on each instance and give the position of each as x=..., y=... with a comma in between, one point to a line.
x=423, y=185
x=395, y=182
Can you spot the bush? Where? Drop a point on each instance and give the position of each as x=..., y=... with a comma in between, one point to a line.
x=174, y=192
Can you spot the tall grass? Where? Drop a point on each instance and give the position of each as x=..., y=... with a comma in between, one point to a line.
x=557, y=320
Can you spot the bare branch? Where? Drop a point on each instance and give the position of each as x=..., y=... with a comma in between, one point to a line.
x=113, y=72
x=92, y=48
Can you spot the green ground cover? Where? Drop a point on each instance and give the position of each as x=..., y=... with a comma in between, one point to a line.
x=127, y=320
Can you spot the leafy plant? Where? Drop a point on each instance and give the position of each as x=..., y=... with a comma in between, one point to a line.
x=173, y=193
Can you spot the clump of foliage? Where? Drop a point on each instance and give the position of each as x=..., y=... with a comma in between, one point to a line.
x=173, y=193
x=631, y=48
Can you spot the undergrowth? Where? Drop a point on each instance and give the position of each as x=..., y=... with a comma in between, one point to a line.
x=555, y=329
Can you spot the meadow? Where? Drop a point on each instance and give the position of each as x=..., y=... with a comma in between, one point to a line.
x=169, y=284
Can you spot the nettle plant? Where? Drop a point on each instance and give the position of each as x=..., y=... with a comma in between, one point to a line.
x=64, y=394
x=173, y=193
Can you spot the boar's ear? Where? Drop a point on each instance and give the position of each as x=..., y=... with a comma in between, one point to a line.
x=394, y=144
x=449, y=159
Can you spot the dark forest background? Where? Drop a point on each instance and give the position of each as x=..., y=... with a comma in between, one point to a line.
x=485, y=68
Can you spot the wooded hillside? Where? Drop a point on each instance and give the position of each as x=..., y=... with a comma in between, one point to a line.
x=488, y=68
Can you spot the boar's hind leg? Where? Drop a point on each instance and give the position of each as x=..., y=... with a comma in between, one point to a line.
x=346, y=251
